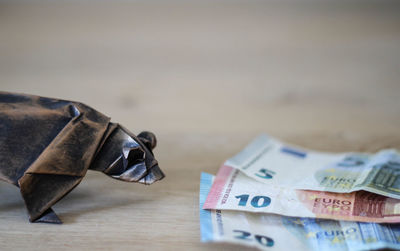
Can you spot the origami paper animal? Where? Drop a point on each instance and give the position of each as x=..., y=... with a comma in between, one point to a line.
x=47, y=145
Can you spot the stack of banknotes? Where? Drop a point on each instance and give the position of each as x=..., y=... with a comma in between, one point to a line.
x=276, y=196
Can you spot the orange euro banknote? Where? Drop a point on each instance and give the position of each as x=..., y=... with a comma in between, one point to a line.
x=233, y=190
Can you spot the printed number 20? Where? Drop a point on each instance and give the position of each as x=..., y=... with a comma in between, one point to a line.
x=263, y=240
x=257, y=201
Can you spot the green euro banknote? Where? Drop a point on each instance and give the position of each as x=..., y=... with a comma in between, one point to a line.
x=273, y=232
x=273, y=162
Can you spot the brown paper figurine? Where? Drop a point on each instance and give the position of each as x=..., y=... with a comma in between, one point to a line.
x=47, y=145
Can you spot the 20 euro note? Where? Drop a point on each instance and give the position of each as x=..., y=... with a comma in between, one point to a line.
x=273, y=232
x=273, y=162
x=233, y=190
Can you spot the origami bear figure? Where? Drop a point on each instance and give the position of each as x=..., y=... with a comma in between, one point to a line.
x=47, y=145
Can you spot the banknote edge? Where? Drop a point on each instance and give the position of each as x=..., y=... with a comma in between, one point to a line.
x=206, y=228
x=215, y=191
x=250, y=152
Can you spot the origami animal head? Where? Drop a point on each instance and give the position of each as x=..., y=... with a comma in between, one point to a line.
x=126, y=157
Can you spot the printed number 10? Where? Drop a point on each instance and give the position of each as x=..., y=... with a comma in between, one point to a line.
x=257, y=201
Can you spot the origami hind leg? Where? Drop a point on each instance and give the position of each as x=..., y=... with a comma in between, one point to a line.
x=49, y=216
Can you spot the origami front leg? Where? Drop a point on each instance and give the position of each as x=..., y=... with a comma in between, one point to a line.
x=41, y=191
x=49, y=216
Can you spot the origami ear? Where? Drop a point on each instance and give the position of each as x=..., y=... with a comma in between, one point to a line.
x=149, y=139
x=41, y=191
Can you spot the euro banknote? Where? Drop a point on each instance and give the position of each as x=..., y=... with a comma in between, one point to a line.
x=233, y=190
x=273, y=232
x=273, y=162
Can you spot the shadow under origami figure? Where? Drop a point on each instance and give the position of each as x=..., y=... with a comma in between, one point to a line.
x=47, y=145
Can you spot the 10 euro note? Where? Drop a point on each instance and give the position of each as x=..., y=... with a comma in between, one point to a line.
x=274, y=232
x=276, y=163
x=233, y=190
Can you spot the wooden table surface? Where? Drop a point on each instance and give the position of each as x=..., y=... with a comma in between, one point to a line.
x=206, y=77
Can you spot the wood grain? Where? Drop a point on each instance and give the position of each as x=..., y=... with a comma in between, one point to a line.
x=206, y=77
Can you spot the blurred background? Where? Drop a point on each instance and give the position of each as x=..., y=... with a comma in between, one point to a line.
x=212, y=66
x=206, y=77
